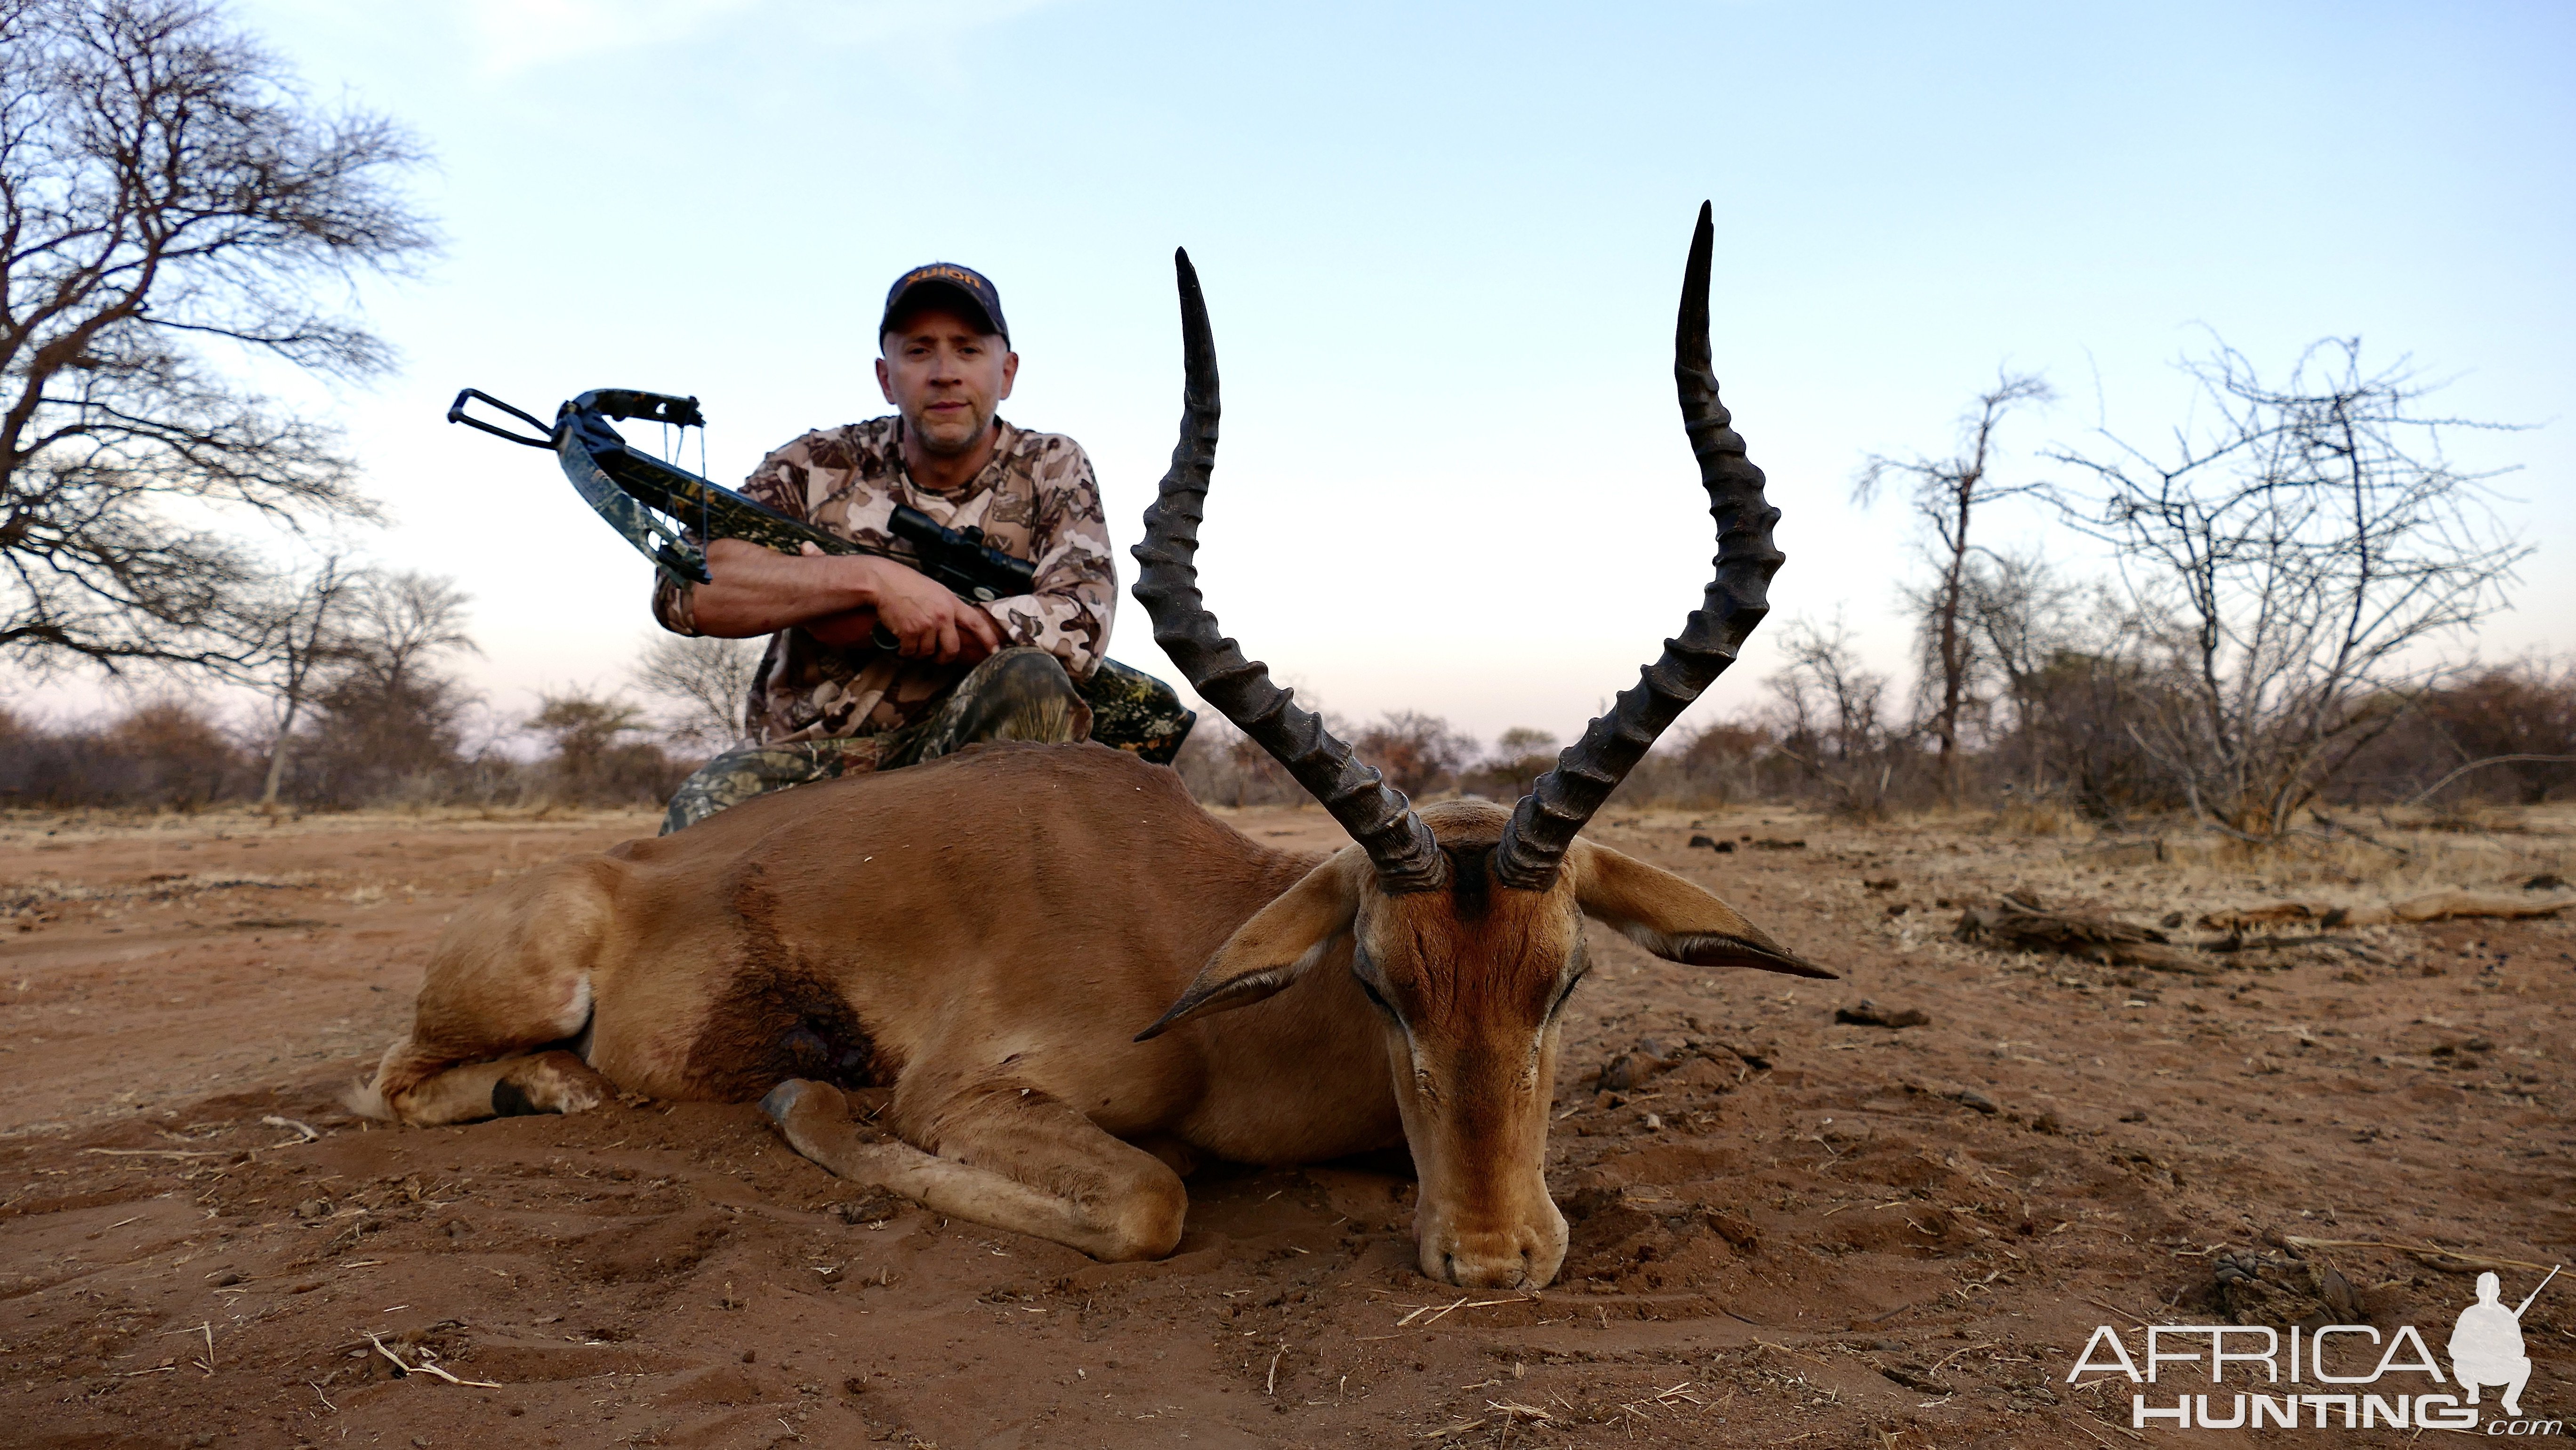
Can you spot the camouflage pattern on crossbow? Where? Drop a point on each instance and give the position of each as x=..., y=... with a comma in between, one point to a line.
x=667, y=513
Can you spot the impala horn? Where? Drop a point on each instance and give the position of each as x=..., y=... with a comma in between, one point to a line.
x=1376, y=815
x=1544, y=823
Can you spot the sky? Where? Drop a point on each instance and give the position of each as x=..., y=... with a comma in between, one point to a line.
x=1441, y=247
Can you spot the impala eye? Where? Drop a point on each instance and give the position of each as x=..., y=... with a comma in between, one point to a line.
x=1375, y=999
x=1361, y=968
x=1566, y=991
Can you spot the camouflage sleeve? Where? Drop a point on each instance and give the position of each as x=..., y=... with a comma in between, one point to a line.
x=779, y=482
x=1069, y=614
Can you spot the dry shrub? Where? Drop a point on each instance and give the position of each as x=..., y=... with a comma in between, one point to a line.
x=1222, y=767
x=1417, y=753
x=1520, y=756
x=374, y=741
x=2024, y=815
x=599, y=755
x=163, y=753
x=2527, y=708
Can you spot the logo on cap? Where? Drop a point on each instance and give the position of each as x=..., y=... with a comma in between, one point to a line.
x=977, y=289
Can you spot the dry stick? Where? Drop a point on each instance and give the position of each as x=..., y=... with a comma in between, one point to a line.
x=1272, y=1386
x=274, y=1121
x=2475, y=1261
x=425, y=1367
x=2490, y=760
x=1418, y=1313
x=2078, y=1424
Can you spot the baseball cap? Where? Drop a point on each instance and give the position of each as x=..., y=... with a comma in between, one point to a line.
x=946, y=282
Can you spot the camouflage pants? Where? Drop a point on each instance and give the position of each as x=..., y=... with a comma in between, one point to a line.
x=1016, y=694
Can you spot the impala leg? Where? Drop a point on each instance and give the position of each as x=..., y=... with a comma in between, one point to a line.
x=507, y=981
x=1008, y=1157
x=539, y=1082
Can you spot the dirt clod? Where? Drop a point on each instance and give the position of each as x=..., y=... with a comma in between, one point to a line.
x=1866, y=1013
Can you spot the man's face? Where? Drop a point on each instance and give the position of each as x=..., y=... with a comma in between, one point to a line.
x=944, y=377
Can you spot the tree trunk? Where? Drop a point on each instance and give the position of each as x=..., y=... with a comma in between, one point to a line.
x=277, y=758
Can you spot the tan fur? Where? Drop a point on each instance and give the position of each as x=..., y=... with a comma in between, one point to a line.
x=990, y=935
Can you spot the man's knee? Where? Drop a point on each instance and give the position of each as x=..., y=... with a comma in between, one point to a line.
x=1022, y=694
x=1024, y=671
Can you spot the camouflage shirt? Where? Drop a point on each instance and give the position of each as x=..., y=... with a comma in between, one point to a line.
x=1036, y=499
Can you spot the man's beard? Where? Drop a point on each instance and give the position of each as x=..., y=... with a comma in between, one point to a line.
x=939, y=447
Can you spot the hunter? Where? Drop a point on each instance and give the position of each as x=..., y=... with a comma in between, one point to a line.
x=831, y=697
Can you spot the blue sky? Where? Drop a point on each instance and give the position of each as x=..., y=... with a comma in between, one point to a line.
x=1441, y=247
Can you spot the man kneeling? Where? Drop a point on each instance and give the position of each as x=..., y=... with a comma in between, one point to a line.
x=831, y=699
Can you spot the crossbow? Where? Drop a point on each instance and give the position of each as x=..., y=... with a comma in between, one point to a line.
x=667, y=513
x=655, y=505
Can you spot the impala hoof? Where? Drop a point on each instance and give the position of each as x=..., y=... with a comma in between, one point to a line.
x=783, y=1099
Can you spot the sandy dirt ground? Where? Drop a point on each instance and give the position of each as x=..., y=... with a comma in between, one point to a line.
x=1786, y=1230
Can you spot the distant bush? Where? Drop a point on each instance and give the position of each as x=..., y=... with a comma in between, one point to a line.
x=601, y=755
x=166, y=753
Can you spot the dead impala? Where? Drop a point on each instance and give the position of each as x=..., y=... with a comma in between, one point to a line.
x=984, y=935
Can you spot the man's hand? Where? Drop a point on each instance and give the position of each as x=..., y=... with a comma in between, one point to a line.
x=927, y=621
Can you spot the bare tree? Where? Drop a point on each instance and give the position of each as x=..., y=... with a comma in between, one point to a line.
x=300, y=631
x=707, y=682
x=2285, y=557
x=1832, y=717
x=386, y=718
x=2070, y=680
x=397, y=623
x=162, y=185
x=1948, y=492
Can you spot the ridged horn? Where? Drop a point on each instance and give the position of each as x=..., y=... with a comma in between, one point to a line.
x=1376, y=815
x=1544, y=823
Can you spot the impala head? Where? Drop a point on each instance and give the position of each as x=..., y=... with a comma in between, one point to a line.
x=1467, y=921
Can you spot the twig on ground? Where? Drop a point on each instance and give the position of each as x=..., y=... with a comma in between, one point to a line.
x=2474, y=1261
x=425, y=1367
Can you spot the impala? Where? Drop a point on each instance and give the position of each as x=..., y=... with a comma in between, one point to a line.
x=984, y=936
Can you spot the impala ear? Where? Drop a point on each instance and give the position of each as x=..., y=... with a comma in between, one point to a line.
x=1281, y=943
x=1673, y=918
